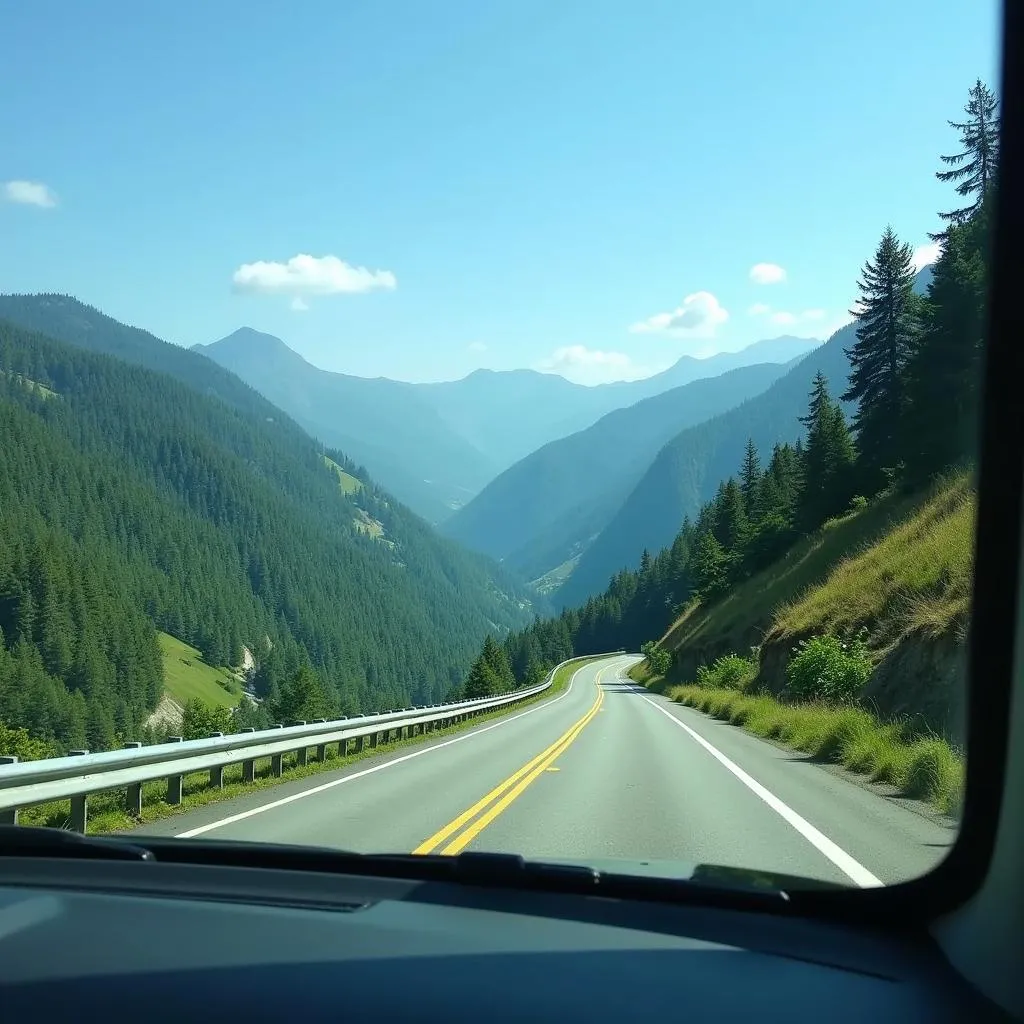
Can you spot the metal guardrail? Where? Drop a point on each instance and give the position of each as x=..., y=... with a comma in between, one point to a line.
x=81, y=773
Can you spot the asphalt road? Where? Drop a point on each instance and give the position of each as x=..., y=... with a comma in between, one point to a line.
x=606, y=770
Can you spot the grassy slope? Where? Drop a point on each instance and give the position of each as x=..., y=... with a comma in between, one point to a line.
x=902, y=556
x=918, y=576
x=346, y=481
x=923, y=768
x=903, y=569
x=187, y=677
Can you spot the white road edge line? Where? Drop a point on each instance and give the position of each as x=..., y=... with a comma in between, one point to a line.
x=853, y=869
x=241, y=816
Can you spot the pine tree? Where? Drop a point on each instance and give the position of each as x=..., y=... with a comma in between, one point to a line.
x=481, y=681
x=975, y=167
x=710, y=567
x=943, y=376
x=885, y=334
x=304, y=697
x=496, y=658
x=750, y=478
x=731, y=517
x=828, y=457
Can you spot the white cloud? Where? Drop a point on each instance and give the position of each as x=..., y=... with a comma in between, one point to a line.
x=590, y=366
x=30, y=193
x=784, y=317
x=767, y=273
x=306, y=275
x=698, y=317
x=476, y=346
x=925, y=254
x=299, y=304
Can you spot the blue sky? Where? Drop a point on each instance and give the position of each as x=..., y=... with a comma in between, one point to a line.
x=416, y=189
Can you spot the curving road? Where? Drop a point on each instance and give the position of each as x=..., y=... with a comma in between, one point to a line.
x=604, y=770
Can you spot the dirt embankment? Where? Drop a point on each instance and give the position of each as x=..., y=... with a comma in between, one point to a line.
x=169, y=714
x=921, y=679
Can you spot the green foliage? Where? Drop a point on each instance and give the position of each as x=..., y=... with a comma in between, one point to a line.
x=18, y=743
x=200, y=720
x=303, y=698
x=730, y=672
x=658, y=658
x=829, y=669
x=492, y=672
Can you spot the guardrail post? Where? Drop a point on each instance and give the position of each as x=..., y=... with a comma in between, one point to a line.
x=302, y=754
x=173, y=781
x=277, y=760
x=133, y=795
x=321, y=748
x=217, y=771
x=79, y=813
x=359, y=744
x=79, y=804
x=248, y=767
x=10, y=816
x=373, y=740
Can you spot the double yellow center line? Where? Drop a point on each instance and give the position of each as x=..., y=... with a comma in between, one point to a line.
x=474, y=820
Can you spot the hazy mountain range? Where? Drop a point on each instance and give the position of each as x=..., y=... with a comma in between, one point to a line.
x=437, y=445
x=548, y=506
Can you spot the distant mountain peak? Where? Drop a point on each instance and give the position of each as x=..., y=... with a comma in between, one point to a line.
x=250, y=339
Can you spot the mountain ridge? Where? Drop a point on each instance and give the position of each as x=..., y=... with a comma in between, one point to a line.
x=436, y=445
x=542, y=510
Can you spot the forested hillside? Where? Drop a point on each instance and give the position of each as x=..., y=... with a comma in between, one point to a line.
x=912, y=378
x=547, y=506
x=133, y=502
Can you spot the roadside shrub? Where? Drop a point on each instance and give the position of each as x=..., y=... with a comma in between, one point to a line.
x=828, y=669
x=658, y=658
x=18, y=743
x=730, y=672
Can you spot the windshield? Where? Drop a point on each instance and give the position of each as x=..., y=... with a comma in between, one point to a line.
x=513, y=427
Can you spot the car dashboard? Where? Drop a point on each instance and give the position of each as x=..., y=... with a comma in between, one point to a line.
x=171, y=942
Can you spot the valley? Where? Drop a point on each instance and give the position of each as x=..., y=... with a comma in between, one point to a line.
x=197, y=542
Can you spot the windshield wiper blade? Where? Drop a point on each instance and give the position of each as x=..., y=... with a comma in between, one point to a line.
x=31, y=841
x=494, y=870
